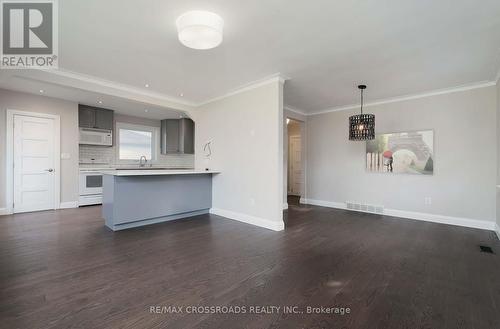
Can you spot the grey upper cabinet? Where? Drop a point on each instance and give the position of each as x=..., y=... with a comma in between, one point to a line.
x=104, y=119
x=94, y=117
x=177, y=136
x=186, y=136
x=170, y=136
x=86, y=117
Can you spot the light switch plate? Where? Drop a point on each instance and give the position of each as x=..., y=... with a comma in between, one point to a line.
x=65, y=156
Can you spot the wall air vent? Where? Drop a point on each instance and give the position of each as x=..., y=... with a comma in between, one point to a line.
x=363, y=207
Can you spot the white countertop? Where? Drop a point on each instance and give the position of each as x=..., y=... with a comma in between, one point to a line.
x=154, y=172
x=82, y=169
x=100, y=168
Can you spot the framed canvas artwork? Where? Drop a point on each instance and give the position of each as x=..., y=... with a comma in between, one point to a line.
x=403, y=153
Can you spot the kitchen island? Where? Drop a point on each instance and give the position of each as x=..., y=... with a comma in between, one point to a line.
x=133, y=198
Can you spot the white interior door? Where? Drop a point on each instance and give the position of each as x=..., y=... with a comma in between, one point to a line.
x=295, y=167
x=34, y=164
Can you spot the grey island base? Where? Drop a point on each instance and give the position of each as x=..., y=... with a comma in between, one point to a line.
x=143, y=197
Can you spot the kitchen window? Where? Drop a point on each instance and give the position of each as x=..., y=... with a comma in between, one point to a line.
x=135, y=141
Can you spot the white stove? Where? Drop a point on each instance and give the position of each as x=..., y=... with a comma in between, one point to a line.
x=91, y=186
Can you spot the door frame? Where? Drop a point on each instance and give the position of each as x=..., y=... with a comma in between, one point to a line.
x=9, y=165
x=303, y=147
x=290, y=174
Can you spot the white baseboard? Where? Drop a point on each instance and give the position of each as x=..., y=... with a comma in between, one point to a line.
x=69, y=204
x=442, y=219
x=261, y=222
x=285, y=206
x=62, y=205
x=329, y=204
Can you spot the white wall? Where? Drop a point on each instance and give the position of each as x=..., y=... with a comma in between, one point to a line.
x=463, y=184
x=246, y=130
x=68, y=112
x=498, y=159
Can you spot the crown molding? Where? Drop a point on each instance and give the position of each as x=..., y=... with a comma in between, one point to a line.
x=294, y=110
x=86, y=82
x=277, y=77
x=119, y=86
x=477, y=85
x=77, y=80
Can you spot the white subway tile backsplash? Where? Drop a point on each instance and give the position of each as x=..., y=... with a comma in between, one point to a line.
x=107, y=155
x=97, y=154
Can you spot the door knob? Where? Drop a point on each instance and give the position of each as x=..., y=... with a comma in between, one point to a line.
x=49, y=170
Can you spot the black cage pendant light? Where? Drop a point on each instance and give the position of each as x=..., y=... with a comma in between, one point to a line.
x=362, y=126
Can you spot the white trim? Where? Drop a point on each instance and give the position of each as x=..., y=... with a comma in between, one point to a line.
x=497, y=231
x=497, y=78
x=277, y=77
x=9, y=191
x=434, y=218
x=261, y=222
x=280, y=170
x=303, y=159
x=477, y=85
x=295, y=110
x=66, y=78
x=322, y=203
x=285, y=205
x=68, y=204
x=96, y=84
x=443, y=219
x=4, y=211
x=119, y=86
x=155, y=131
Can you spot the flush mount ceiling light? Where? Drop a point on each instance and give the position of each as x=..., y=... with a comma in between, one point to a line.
x=362, y=126
x=200, y=29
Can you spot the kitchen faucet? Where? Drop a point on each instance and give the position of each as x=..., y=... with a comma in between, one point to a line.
x=140, y=161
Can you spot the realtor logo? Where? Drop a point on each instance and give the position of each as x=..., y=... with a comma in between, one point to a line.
x=29, y=34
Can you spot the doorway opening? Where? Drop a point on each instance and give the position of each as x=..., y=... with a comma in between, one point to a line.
x=295, y=163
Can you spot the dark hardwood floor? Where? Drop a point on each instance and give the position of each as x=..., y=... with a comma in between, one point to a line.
x=64, y=269
x=293, y=200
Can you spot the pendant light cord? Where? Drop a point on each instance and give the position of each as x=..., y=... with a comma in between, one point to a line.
x=361, y=101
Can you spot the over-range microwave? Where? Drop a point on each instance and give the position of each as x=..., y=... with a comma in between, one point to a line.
x=89, y=136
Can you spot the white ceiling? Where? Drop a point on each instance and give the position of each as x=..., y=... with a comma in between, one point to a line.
x=397, y=47
x=122, y=105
